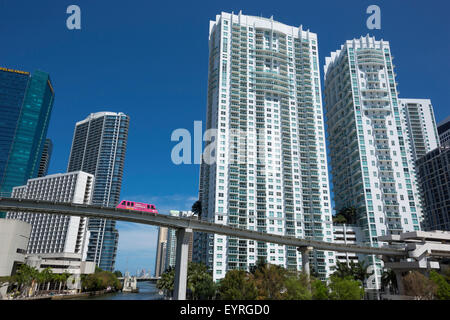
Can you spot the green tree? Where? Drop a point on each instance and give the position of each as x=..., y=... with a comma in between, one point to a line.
x=97, y=269
x=46, y=276
x=100, y=280
x=443, y=286
x=356, y=271
x=200, y=281
x=237, y=285
x=270, y=282
x=61, y=279
x=118, y=274
x=346, y=215
x=345, y=288
x=360, y=271
x=166, y=283
x=343, y=270
x=197, y=208
x=446, y=273
x=260, y=263
x=389, y=280
x=319, y=290
x=339, y=219
x=25, y=278
x=297, y=287
x=419, y=286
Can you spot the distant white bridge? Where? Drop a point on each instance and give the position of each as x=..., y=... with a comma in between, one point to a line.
x=151, y=279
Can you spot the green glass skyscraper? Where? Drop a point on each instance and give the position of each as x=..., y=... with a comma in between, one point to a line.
x=26, y=102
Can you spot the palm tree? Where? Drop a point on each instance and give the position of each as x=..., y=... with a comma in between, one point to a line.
x=26, y=278
x=260, y=264
x=359, y=270
x=346, y=215
x=166, y=283
x=200, y=281
x=343, y=270
x=389, y=280
x=356, y=271
x=269, y=281
x=339, y=219
x=350, y=214
x=46, y=276
x=197, y=208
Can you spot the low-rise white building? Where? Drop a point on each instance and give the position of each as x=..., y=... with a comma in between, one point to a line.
x=52, y=233
x=346, y=234
x=60, y=263
x=14, y=237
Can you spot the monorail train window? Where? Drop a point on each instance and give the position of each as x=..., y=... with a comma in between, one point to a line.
x=124, y=202
x=153, y=207
x=128, y=203
x=148, y=206
x=132, y=204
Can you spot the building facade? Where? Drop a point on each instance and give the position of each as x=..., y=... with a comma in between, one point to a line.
x=346, y=234
x=44, y=164
x=52, y=233
x=161, y=249
x=26, y=102
x=420, y=125
x=434, y=176
x=98, y=147
x=444, y=131
x=372, y=167
x=63, y=263
x=14, y=237
x=171, y=245
x=270, y=172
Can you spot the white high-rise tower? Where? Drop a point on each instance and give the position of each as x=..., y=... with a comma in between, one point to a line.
x=419, y=121
x=270, y=173
x=372, y=167
x=98, y=147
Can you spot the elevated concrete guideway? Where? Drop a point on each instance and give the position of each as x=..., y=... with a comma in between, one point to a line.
x=185, y=226
x=37, y=206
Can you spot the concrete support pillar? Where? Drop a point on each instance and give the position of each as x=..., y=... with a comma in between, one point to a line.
x=181, y=263
x=305, y=262
x=401, y=288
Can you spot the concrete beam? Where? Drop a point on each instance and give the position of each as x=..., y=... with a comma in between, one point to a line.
x=181, y=263
x=49, y=207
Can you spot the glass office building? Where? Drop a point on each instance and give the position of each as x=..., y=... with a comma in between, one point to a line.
x=44, y=163
x=434, y=176
x=98, y=147
x=26, y=102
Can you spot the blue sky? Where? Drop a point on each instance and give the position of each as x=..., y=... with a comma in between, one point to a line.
x=149, y=59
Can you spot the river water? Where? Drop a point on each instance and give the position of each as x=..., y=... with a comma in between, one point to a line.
x=147, y=291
